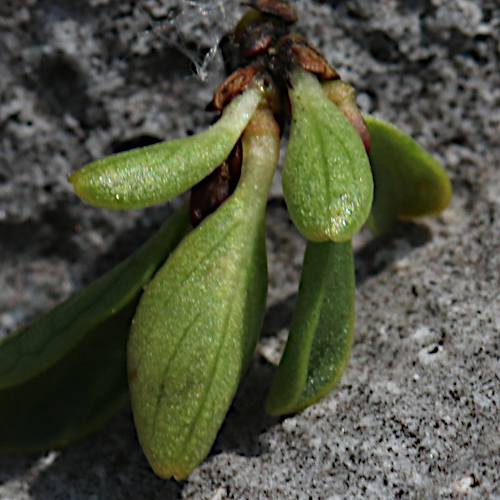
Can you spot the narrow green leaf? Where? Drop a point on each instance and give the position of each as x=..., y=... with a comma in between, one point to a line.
x=327, y=179
x=40, y=344
x=198, y=321
x=409, y=182
x=145, y=176
x=74, y=396
x=321, y=333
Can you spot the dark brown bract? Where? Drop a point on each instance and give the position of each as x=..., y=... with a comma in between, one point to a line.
x=212, y=191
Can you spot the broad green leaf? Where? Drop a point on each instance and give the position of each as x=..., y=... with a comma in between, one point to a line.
x=409, y=182
x=40, y=344
x=327, y=180
x=321, y=333
x=198, y=321
x=72, y=398
x=145, y=176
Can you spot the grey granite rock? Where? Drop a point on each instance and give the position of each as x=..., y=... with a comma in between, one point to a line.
x=416, y=414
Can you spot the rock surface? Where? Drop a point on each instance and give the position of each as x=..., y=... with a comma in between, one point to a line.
x=416, y=413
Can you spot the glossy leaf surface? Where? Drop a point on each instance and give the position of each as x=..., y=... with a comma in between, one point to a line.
x=409, y=182
x=40, y=344
x=327, y=180
x=321, y=333
x=145, y=176
x=198, y=321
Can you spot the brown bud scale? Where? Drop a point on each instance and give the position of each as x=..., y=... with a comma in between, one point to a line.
x=212, y=191
x=232, y=86
x=276, y=8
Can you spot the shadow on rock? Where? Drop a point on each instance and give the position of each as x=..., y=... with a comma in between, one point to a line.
x=107, y=465
x=382, y=252
x=247, y=419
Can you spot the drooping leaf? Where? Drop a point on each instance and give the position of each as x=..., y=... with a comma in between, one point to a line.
x=321, y=333
x=40, y=344
x=198, y=321
x=65, y=374
x=409, y=181
x=327, y=179
x=73, y=397
x=145, y=176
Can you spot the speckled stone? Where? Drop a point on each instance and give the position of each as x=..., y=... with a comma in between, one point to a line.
x=416, y=413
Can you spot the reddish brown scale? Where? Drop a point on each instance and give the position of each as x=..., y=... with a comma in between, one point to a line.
x=256, y=38
x=234, y=162
x=275, y=8
x=211, y=192
x=232, y=86
x=313, y=63
x=300, y=51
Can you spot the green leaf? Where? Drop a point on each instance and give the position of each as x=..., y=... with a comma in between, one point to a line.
x=198, y=321
x=327, y=179
x=74, y=396
x=40, y=344
x=145, y=176
x=409, y=182
x=321, y=333
x=343, y=95
x=65, y=375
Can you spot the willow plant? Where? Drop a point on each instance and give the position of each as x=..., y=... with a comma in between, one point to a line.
x=176, y=324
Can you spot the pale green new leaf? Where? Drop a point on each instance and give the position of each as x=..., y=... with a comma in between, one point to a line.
x=327, y=180
x=198, y=321
x=409, y=181
x=145, y=176
x=321, y=333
